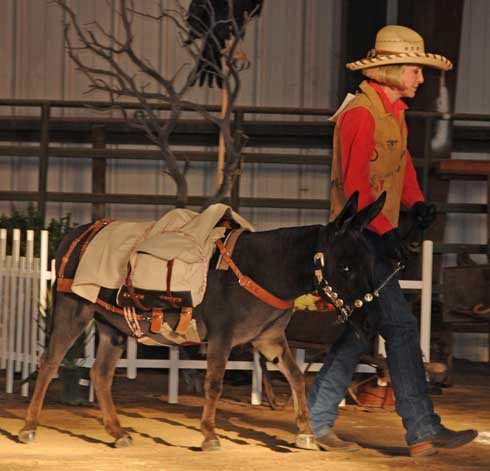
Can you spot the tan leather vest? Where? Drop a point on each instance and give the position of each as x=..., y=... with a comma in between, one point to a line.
x=388, y=162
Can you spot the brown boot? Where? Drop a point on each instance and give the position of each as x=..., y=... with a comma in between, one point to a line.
x=444, y=439
x=330, y=442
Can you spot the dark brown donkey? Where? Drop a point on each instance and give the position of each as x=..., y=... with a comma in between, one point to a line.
x=286, y=262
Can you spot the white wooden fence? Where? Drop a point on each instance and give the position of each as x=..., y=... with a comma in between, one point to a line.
x=24, y=284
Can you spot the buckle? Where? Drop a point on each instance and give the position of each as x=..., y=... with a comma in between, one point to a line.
x=319, y=257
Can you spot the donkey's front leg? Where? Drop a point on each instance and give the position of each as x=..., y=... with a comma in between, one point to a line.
x=217, y=356
x=276, y=350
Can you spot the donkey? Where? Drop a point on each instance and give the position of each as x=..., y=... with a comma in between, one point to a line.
x=288, y=262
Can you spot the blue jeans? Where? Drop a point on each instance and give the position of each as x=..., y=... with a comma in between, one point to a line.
x=400, y=330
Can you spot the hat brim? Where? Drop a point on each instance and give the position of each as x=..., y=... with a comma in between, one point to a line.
x=431, y=60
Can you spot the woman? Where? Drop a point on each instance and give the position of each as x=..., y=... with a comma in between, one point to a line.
x=370, y=155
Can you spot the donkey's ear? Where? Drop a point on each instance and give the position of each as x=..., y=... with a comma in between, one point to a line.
x=366, y=215
x=347, y=214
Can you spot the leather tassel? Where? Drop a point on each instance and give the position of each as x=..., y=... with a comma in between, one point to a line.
x=156, y=321
x=185, y=318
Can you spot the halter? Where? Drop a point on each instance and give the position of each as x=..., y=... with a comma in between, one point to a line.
x=328, y=294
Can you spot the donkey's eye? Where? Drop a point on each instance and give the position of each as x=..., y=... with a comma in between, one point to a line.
x=346, y=268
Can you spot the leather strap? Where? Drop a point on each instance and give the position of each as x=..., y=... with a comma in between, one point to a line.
x=230, y=242
x=91, y=231
x=112, y=308
x=250, y=285
x=131, y=292
x=170, y=299
x=184, y=320
x=170, y=266
x=157, y=315
x=156, y=320
x=63, y=285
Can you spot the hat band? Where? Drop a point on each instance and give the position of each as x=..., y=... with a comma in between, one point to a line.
x=379, y=52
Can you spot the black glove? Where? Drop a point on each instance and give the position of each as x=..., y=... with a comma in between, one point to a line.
x=424, y=213
x=394, y=246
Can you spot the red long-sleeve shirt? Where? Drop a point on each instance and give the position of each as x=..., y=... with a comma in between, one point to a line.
x=356, y=127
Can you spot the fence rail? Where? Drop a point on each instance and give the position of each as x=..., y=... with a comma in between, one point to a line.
x=302, y=130
x=24, y=284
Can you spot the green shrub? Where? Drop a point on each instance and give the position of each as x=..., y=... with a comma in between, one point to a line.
x=31, y=219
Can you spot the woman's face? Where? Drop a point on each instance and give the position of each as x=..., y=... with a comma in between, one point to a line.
x=412, y=77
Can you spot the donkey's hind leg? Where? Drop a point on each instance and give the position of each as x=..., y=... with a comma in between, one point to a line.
x=111, y=346
x=70, y=317
x=274, y=347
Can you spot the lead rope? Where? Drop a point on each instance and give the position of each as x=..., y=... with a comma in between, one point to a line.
x=399, y=267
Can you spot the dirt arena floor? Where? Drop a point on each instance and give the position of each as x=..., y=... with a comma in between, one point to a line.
x=166, y=437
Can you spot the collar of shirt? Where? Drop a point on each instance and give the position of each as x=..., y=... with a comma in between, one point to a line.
x=393, y=108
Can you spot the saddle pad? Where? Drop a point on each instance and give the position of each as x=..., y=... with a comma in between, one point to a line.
x=181, y=235
x=105, y=261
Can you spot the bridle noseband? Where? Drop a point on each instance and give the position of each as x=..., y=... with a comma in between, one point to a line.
x=327, y=293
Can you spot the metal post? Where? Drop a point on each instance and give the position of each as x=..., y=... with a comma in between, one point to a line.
x=300, y=359
x=99, y=139
x=426, y=298
x=256, y=399
x=173, y=376
x=11, y=310
x=44, y=276
x=131, y=358
x=239, y=143
x=43, y=160
x=28, y=321
x=3, y=296
x=16, y=293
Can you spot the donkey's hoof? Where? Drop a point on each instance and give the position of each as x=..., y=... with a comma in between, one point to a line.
x=123, y=442
x=306, y=442
x=211, y=445
x=27, y=436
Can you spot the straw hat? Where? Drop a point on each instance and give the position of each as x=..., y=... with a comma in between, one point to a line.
x=400, y=45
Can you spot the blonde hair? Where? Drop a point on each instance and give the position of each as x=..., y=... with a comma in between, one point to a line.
x=391, y=75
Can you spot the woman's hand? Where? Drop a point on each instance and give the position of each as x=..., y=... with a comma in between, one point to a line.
x=395, y=247
x=424, y=213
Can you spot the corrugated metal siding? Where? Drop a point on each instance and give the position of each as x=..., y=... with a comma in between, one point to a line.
x=473, y=93
x=293, y=48
x=473, y=96
x=296, y=65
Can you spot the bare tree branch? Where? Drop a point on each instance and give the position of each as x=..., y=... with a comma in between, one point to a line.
x=121, y=72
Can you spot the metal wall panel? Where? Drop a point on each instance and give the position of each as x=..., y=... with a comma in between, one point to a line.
x=297, y=64
x=472, y=96
x=293, y=48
